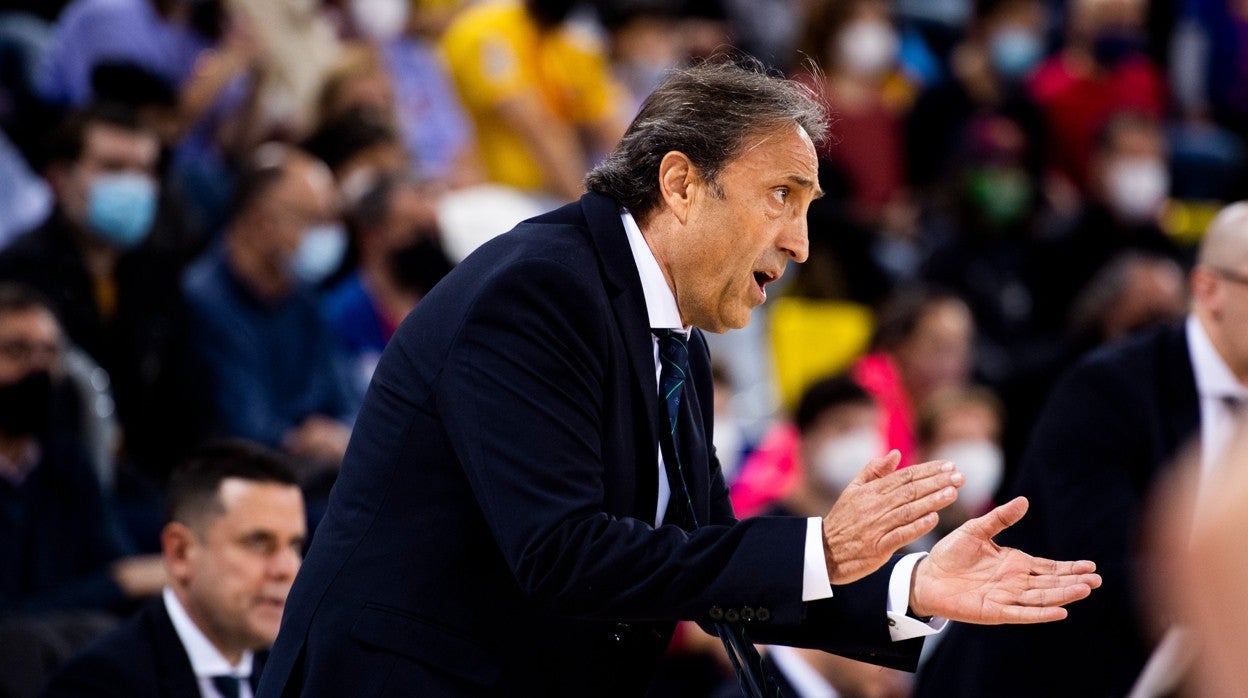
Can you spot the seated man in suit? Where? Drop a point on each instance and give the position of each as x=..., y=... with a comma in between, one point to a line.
x=232, y=545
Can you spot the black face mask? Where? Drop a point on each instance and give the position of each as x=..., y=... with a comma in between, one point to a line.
x=26, y=406
x=420, y=265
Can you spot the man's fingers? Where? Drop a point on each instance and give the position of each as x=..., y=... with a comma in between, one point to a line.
x=1045, y=566
x=999, y=519
x=1025, y=615
x=877, y=468
x=1054, y=596
x=910, y=532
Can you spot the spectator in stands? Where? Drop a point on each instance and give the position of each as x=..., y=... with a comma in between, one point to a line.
x=67, y=569
x=408, y=84
x=1128, y=189
x=1004, y=42
x=272, y=370
x=232, y=546
x=539, y=91
x=400, y=258
x=116, y=292
x=837, y=422
x=963, y=424
x=1102, y=68
x=923, y=342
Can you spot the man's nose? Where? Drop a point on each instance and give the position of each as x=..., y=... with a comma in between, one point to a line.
x=793, y=240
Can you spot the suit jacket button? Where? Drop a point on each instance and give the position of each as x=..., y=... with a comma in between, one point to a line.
x=716, y=613
x=731, y=615
x=763, y=614
x=747, y=613
x=892, y=623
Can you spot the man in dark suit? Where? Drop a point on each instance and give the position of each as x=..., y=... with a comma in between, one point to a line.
x=516, y=515
x=232, y=546
x=1111, y=427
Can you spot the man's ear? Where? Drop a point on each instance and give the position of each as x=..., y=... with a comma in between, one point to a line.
x=677, y=177
x=178, y=547
x=1204, y=289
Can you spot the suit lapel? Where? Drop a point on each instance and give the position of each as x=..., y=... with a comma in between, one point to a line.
x=177, y=678
x=1179, y=381
x=628, y=303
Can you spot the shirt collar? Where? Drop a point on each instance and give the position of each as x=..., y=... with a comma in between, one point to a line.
x=660, y=301
x=206, y=659
x=1214, y=378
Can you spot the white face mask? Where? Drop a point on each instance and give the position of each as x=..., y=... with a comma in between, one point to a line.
x=983, y=465
x=380, y=20
x=840, y=459
x=1136, y=187
x=868, y=47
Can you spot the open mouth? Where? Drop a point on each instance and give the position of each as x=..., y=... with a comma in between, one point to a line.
x=762, y=278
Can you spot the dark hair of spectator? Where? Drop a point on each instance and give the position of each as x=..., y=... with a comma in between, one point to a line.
x=17, y=297
x=192, y=494
x=259, y=175
x=347, y=135
x=824, y=22
x=706, y=111
x=900, y=314
x=70, y=138
x=826, y=394
x=131, y=85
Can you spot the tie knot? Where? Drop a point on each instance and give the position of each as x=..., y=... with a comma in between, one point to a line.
x=228, y=685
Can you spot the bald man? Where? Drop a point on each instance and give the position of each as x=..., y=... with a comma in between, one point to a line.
x=1113, y=425
x=271, y=366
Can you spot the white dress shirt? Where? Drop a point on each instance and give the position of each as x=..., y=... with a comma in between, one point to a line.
x=1214, y=384
x=663, y=313
x=206, y=659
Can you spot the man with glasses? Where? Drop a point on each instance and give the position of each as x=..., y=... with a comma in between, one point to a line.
x=1110, y=429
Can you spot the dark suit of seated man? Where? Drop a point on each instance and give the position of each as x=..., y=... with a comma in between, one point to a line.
x=503, y=523
x=232, y=545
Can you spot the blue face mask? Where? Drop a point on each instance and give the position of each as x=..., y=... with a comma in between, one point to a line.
x=121, y=208
x=320, y=252
x=1014, y=52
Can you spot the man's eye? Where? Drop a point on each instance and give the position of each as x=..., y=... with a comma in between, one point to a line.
x=782, y=194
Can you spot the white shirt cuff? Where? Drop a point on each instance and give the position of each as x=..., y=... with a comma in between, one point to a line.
x=900, y=625
x=815, y=583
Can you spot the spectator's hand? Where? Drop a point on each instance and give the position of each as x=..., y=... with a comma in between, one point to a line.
x=969, y=578
x=319, y=438
x=140, y=576
x=883, y=509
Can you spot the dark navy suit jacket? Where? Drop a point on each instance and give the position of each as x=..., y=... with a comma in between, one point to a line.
x=491, y=530
x=1110, y=427
x=143, y=657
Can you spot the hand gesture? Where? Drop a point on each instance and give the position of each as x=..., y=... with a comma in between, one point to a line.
x=969, y=578
x=883, y=509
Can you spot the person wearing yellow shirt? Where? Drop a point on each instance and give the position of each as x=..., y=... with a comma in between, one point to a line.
x=539, y=91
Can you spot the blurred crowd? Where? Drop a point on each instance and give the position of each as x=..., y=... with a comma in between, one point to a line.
x=215, y=213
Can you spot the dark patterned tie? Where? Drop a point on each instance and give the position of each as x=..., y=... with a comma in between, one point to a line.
x=227, y=685
x=752, y=676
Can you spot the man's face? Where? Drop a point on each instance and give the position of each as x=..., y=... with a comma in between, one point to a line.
x=106, y=149
x=1227, y=306
x=739, y=237
x=30, y=340
x=237, y=570
x=304, y=197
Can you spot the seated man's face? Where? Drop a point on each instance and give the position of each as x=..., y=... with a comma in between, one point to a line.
x=239, y=570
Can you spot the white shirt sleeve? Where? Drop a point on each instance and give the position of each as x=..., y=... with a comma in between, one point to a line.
x=815, y=586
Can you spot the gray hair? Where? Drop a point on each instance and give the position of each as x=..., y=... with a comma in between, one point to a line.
x=705, y=111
